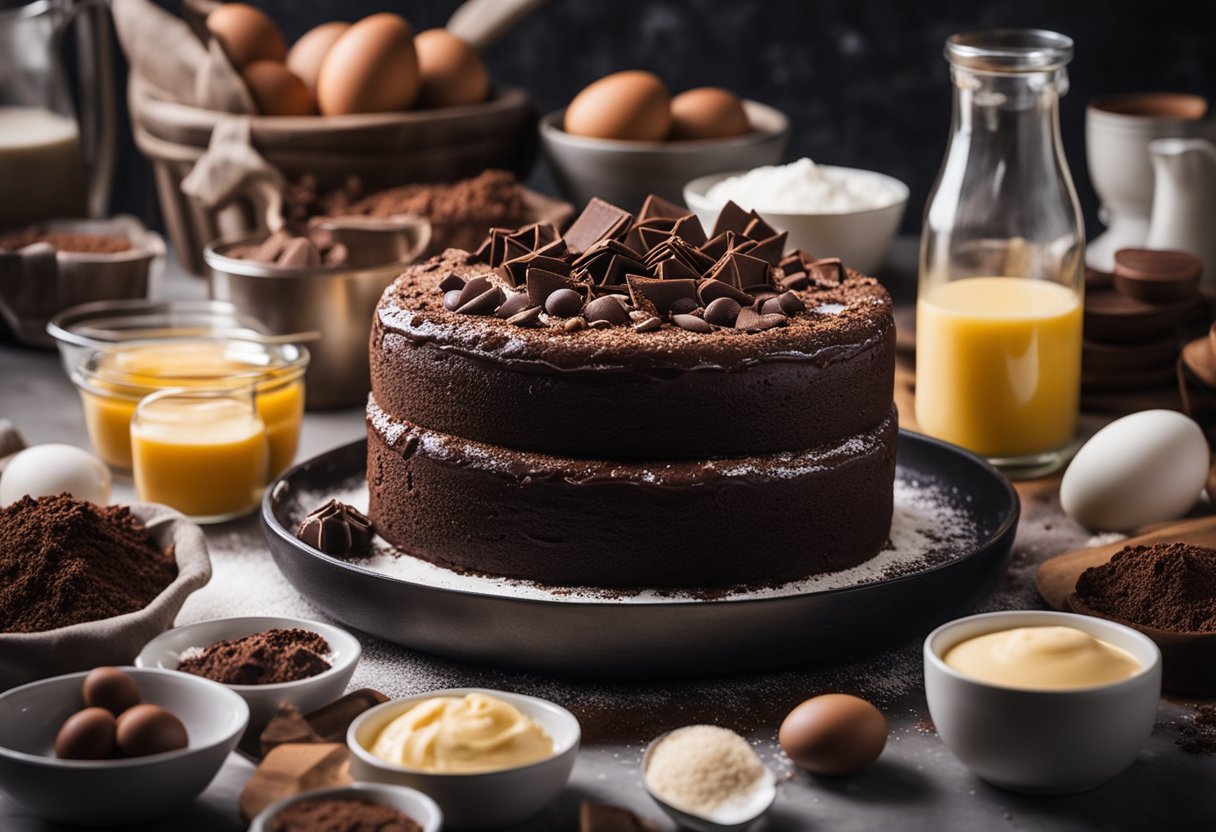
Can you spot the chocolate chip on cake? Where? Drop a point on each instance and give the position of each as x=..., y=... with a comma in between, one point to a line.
x=564, y=303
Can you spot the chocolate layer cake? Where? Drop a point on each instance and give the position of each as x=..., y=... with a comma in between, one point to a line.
x=634, y=405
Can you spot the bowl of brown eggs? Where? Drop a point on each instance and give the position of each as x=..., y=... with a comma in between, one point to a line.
x=370, y=99
x=626, y=136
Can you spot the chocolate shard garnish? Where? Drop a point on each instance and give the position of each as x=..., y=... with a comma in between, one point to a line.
x=526, y=317
x=514, y=249
x=748, y=320
x=472, y=289
x=794, y=261
x=546, y=233
x=691, y=323
x=827, y=271
x=607, y=308
x=483, y=251
x=452, y=281
x=564, y=303
x=690, y=230
x=451, y=300
x=711, y=289
x=731, y=218
x=541, y=283
x=486, y=303
x=718, y=245
x=643, y=238
x=556, y=249
x=762, y=292
x=337, y=529
x=771, y=306
x=758, y=229
x=769, y=250
x=796, y=281
x=674, y=269
x=742, y=245
x=656, y=206
x=749, y=271
x=600, y=220
x=515, y=303
x=722, y=312
x=660, y=294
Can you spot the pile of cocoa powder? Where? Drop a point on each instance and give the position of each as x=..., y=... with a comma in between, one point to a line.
x=266, y=658
x=341, y=815
x=1166, y=586
x=65, y=561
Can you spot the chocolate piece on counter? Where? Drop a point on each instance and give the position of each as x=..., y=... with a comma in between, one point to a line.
x=600, y=817
x=293, y=768
x=731, y=218
x=723, y=312
x=1156, y=275
x=564, y=303
x=661, y=294
x=710, y=290
x=486, y=303
x=691, y=323
x=656, y=206
x=607, y=308
x=528, y=317
x=337, y=529
x=288, y=726
x=515, y=303
x=599, y=221
x=332, y=720
x=452, y=282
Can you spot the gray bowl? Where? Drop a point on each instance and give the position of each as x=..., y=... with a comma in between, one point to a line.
x=624, y=173
x=113, y=641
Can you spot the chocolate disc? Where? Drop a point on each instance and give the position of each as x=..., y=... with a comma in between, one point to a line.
x=1140, y=380
x=1100, y=358
x=1115, y=318
x=1157, y=276
x=1200, y=358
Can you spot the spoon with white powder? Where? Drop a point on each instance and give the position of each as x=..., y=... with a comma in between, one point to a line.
x=708, y=778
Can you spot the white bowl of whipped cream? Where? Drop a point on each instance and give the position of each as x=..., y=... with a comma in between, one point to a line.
x=828, y=211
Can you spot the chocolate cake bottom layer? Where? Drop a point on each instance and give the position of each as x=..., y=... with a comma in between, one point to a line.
x=555, y=520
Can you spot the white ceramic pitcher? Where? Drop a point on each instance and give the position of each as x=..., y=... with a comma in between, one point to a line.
x=1184, y=200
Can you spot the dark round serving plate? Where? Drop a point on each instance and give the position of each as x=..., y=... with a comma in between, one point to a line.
x=662, y=638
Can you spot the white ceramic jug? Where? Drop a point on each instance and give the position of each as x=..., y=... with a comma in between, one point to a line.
x=1184, y=200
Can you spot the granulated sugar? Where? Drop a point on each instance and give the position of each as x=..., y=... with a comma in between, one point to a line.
x=707, y=771
x=930, y=526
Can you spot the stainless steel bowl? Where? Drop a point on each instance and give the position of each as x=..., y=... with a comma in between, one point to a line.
x=336, y=301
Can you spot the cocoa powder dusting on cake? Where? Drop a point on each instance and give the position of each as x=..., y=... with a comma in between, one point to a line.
x=341, y=815
x=266, y=658
x=1167, y=586
x=65, y=561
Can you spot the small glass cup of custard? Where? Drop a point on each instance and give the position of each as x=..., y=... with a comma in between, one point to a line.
x=112, y=380
x=1042, y=702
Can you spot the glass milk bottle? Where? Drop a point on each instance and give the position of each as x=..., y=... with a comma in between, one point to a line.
x=999, y=308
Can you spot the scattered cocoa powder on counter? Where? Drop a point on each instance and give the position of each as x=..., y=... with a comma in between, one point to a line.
x=65, y=241
x=1198, y=735
x=341, y=815
x=65, y=561
x=1167, y=586
x=266, y=658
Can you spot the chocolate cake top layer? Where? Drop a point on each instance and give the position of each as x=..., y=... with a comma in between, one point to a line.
x=839, y=319
x=647, y=293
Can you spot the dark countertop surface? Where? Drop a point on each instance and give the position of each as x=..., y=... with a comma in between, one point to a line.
x=917, y=784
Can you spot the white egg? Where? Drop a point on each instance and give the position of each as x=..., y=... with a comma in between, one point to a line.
x=46, y=470
x=1144, y=468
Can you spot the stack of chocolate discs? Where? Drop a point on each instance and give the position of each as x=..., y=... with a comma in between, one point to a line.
x=1133, y=320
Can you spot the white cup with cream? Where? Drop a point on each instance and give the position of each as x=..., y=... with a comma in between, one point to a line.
x=1042, y=702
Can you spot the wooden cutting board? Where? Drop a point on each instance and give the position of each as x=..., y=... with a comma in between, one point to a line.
x=1057, y=577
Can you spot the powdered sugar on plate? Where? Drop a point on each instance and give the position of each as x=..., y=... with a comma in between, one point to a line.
x=930, y=526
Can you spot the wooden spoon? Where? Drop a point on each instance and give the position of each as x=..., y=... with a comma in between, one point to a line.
x=1189, y=659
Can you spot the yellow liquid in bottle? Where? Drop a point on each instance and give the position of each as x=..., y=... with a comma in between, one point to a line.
x=998, y=364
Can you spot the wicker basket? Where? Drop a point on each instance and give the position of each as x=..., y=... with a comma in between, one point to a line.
x=382, y=149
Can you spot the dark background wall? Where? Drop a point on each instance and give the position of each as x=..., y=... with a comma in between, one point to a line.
x=863, y=81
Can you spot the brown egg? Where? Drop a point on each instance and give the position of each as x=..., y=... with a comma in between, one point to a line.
x=246, y=34
x=452, y=72
x=372, y=68
x=308, y=53
x=631, y=106
x=149, y=729
x=277, y=92
x=707, y=113
x=834, y=734
x=110, y=688
x=86, y=735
